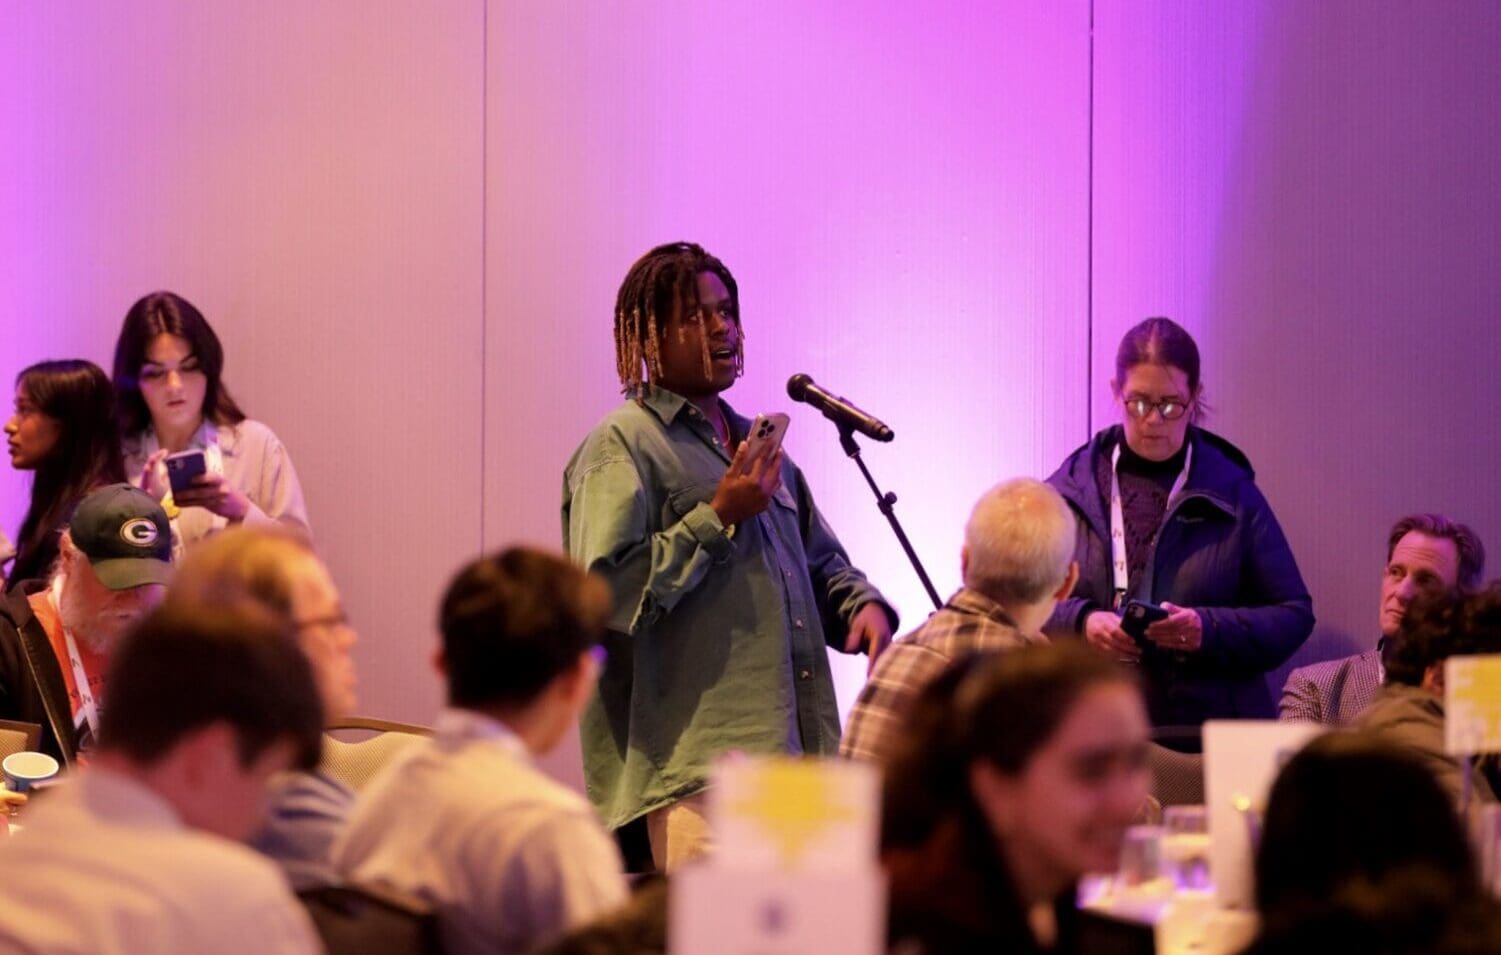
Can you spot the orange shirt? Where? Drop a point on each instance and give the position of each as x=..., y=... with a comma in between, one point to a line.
x=94, y=664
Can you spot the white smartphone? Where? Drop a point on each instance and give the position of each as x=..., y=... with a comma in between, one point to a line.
x=767, y=432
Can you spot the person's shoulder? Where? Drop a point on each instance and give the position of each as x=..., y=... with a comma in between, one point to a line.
x=15, y=609
x=1077, y=470
x=516, y=815
x=1325, y=671
x=478, y=785
x=1222, y=461
x=19, y=610
x=621, y=424
x=905, y=657
x=247, y=433
x=951, y=633
x=208, y=863
x=1399, y=708
x=259, y=898
x=311, y=793
x=616, y=437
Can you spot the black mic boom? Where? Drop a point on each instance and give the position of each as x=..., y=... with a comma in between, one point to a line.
x=836, y=409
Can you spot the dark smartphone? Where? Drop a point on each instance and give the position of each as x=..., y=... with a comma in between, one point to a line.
x=1137, y=615
x=183, y=467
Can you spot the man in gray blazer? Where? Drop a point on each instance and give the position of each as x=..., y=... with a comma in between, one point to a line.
x=1424, y=553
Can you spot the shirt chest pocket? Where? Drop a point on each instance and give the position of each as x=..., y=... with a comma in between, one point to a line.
x=685, y=499
x=783, y=499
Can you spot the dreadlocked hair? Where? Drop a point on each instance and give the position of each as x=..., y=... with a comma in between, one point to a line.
x=663, y=278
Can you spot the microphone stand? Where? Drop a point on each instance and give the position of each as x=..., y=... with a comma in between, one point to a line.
x=887, y=504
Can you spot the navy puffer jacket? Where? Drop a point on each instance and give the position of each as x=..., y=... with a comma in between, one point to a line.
x=1220, y=551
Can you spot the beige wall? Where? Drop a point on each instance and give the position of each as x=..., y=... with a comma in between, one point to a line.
x=309, y=174
x=408, y=221
x=1311, y=189
x=899, y=189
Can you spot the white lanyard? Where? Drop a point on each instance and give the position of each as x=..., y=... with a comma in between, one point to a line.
x=87, y=705
x=1120, y=569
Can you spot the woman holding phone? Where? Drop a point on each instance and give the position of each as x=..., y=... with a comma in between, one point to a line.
x=63, y=430
x=1170, y=516
x=168, y=363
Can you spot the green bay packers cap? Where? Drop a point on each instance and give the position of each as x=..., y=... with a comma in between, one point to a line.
x=124, y=533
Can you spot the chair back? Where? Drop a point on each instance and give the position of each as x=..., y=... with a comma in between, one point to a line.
x=355, y=920
x=356, y=763
x=1177, y=778
x=19, y=737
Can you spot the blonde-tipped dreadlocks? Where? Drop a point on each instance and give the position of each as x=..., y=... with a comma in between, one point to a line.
x=665, y=277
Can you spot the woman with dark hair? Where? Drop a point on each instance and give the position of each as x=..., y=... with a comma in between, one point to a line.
x=1170, y=515
x=168, y=367
x=1016, y=774
x=63, y=428
x=1361, y=850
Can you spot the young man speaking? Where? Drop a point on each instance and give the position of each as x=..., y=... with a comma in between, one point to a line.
x=724, y=573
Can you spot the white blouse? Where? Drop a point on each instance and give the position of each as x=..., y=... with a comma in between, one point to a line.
x=249, y=456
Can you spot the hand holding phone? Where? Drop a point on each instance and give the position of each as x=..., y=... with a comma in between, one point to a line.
x=754, y=474
x=766, y=434
x=1137, y=616
x=183, y=467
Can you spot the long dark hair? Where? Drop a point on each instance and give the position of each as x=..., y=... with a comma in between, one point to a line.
x=999, y=708
x=77, y=395
x=166, y=313
x=948, y=881
x=1349, y=808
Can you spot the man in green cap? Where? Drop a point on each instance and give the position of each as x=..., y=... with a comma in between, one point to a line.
x=55, y=645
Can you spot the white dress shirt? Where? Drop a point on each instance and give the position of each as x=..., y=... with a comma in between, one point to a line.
x=104, y=866
x=508, y=857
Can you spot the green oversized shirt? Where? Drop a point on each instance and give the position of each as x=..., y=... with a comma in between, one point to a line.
x=718, y=640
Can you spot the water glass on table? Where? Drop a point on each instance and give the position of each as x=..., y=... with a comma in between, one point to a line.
x=1185, y=846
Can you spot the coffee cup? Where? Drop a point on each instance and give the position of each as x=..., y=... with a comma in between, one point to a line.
x=25, y=769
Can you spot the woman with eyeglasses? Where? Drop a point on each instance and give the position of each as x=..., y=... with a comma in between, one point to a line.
x=1170, y=516
x=168, y=363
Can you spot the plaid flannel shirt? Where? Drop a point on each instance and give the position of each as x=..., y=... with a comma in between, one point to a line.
x=968, y=623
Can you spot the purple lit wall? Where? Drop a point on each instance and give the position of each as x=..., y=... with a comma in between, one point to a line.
x=901, y=194
x=1313, y=190
x=408, y=220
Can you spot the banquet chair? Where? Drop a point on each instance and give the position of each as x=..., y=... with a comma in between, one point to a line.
x=356, y=920
x=19, y=737
x=356, y=763
x=1177, y=778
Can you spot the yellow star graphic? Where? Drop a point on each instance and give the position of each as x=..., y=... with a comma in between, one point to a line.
x=792, y=801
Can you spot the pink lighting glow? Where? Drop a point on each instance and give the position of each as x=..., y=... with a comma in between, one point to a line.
x=408, y=222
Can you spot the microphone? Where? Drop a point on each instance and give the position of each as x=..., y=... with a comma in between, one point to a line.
x=836, y=409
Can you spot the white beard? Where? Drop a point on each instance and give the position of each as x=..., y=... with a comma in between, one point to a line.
x=80, y=619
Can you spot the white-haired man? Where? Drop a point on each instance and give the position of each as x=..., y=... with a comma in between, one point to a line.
x=55, y=645
x=1017, y=563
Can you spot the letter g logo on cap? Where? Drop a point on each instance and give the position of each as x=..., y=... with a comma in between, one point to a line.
x=140, y=532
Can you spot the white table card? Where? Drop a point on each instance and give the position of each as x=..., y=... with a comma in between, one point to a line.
x=794, y=814
x=1472, y=704
x=794, y=867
